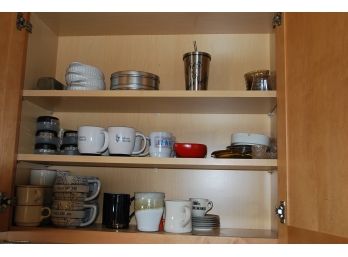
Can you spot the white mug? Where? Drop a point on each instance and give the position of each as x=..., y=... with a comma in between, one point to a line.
x=178, y=216
x=92, y=140
x=161, y=144
x=122, y=140
x=200, y=206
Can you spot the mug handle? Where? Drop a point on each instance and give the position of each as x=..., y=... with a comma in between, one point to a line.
x=187, y=218
x=93, y=217
x=93, y=196
x=210, y=206
x=146, y=153
x=133, y=213
x=106, y=142
x=47, y=215
x=137, y=134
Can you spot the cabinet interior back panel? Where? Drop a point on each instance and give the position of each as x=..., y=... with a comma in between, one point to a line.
x=231, y=56
x=214, y=130
x=41, y=53
x=241, y=199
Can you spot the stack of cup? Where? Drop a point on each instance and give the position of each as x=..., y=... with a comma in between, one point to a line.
x=29, y=206
x=200, y=219
x=47, y=140
x=72, y=196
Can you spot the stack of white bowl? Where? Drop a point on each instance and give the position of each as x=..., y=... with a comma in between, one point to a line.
x=81, y=76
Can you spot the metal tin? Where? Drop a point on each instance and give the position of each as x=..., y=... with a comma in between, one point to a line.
x=135, y=80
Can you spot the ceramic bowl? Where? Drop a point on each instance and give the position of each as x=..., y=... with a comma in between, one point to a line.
x=190, y=150
x=76, y=77
x=84, y=69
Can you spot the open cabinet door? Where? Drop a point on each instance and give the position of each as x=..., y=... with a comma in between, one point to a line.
x=12, y=63
x=314, y=107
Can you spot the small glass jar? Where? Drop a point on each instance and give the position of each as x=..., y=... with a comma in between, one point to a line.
x=47, y=123
x=259, y=151
x=70, y=137
x=45, y=149
x=46, y=137
x=69, y=150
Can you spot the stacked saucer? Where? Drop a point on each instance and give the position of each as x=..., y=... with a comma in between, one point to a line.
x=207, y=222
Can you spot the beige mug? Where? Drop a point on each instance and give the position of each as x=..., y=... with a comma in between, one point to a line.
x=32, y=216
x=30, y=195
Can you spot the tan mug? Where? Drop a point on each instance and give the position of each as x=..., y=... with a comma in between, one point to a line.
x=32, y=216
x=30, y=195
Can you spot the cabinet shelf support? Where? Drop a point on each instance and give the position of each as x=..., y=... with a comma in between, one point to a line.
x=271, y=113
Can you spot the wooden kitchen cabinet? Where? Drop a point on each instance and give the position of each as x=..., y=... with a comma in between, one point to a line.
x=244, y=192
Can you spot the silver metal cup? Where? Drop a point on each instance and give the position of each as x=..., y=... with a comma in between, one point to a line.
x=196, y=70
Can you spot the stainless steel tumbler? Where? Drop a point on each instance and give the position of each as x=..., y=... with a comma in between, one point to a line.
x=196, y=70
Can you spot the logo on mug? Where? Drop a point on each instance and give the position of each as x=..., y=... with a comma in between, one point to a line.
x=163, y=142
x=82, y=138
x=122, y=139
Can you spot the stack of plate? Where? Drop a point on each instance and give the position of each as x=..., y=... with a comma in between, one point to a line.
x=136, y=80
x=207, y=222
x=80, y=76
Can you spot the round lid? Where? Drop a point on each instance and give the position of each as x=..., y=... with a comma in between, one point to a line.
x=45, y=146
x=249, y=139
x=197, y=53
x=134, y=74
x=47, y=119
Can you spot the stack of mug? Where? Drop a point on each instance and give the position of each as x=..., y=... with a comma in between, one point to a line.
x=74, y=200
x=124, y=141
x=30, y=210
x=47, y=130
x=34, y=200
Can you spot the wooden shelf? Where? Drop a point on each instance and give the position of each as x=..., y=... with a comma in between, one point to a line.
x=177, y=101
x=151, y=162
x=118, y=23
x=97, y=234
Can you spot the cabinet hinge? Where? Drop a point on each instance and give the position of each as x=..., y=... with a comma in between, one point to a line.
x=22, y=23
x=281, y=211
x=277, y=19
x=5, y=202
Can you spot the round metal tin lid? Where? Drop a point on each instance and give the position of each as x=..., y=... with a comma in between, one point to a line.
x=197, y=53
x=135, y=74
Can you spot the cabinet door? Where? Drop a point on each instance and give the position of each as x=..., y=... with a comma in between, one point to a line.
x=13, y=52
x=316, y=121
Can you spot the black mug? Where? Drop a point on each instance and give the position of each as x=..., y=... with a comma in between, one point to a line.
x=116, y=208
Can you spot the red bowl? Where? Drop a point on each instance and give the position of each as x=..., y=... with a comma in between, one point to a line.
x=189, y=150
